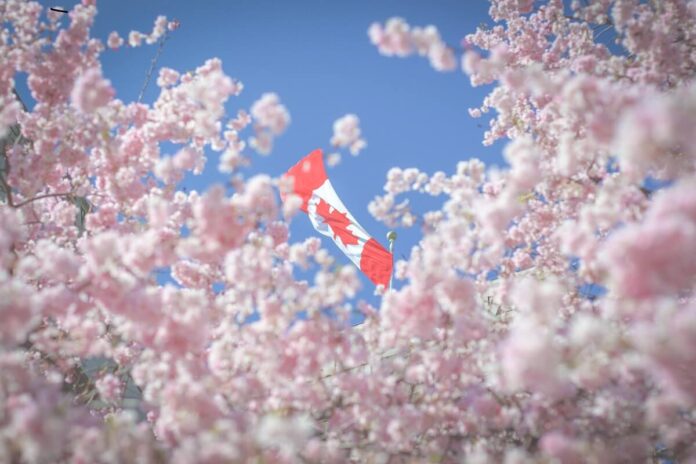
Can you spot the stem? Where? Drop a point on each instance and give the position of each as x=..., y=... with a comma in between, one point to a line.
x=391, y=236
x=153, y=63
x=40, y=197
x=603, y=31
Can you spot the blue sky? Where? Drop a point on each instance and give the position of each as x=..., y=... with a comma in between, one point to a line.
x=315, y=54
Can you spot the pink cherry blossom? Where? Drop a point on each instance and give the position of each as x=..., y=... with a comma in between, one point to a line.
x=347, y=134
x=663, y=242
x=546, y=312
x=109, y=388
x=135, y=38
x=114, y=41
x=173, y=25
x=397, y=37
x=91, y=91
x=167, y=77
x=333, y=159
x=271, y=119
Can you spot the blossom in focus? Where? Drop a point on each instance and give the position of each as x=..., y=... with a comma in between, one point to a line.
x=545, y=312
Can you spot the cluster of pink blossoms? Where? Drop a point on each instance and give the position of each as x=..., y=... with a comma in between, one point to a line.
x=346, y=134
x=271, y=119
x=161, y=27
x=580, y=350
x=396, y=37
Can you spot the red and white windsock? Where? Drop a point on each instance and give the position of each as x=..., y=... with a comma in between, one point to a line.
x=330, y=217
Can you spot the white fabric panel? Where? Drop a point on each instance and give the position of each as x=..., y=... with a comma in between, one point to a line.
x=329, y=195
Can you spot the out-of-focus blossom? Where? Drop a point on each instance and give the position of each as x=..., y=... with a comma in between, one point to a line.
x=167, y=77
x=110, y=388
x=347, y=134
x=114, y=41
x=271, y=118
x=333, y=159
x=287, y=434
x=91, y=91
x=396, y=37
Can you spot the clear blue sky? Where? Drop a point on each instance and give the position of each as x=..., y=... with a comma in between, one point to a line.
x=315, y=54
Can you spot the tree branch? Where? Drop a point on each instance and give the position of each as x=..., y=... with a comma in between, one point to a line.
x=41, y=197
x=153, y=63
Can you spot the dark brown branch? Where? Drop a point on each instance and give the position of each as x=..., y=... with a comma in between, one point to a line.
x=41, y=197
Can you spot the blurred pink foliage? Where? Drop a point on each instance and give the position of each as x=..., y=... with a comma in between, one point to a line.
x=452, y=367
x=348, y=135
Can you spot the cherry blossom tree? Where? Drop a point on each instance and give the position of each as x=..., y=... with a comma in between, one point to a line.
x=454, y=366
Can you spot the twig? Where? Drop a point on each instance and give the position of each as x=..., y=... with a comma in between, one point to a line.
x=153, y=63
x=603, y=31
x=40, y=197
